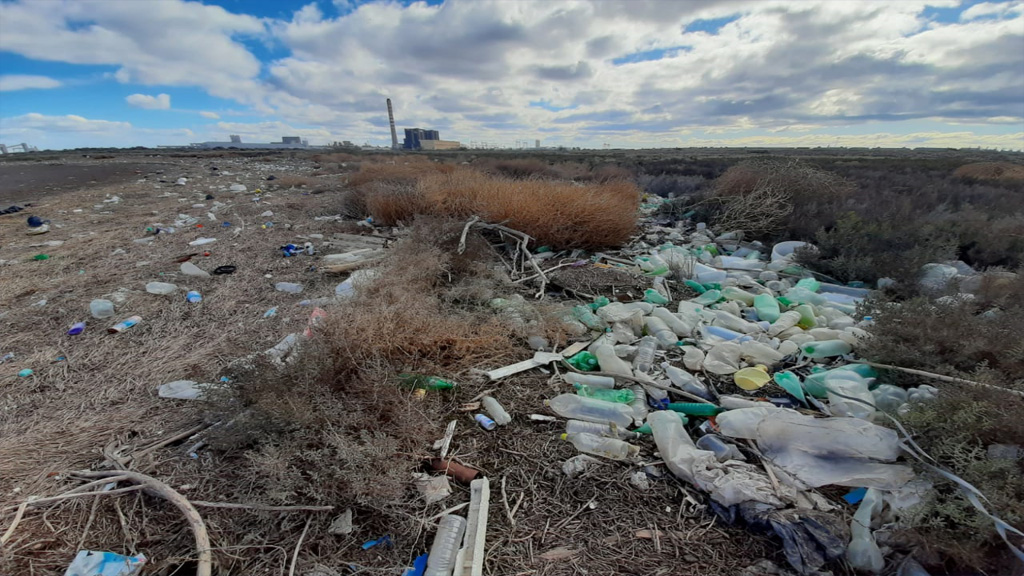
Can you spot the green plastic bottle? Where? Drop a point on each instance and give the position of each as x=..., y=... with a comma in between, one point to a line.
x=584, y=361
x=425, y=382
x=791, y=384
x=708, y=298
x=767, y=308
x=809, y=283
x=608, y=395
x=599, y=302
x=652, y=296
x=695, y=286
x=814, y=384
x=585, y=315
x=734, y=293
x=694, y=408
x=807, y=318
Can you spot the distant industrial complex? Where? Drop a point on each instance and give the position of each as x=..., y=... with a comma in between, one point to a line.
x=287, y=142
x=418, y=138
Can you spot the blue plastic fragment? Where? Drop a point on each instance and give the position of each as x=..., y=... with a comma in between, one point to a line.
x=385, y=541
x=419, y=566
x=856, y=495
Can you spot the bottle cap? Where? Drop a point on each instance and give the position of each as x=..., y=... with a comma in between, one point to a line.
x=564, y=436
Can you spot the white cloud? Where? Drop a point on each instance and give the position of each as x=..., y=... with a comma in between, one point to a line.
x=67, y=123
x=147, y=102
x=12, y=82
x=210, y=115
x=74, y=131
x=997, y=9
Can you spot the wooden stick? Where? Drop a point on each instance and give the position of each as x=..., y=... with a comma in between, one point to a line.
x=940, y=377
x=298, y=545
x=24, y=506
x=204, y=566
x=465, y=232
x=261, y=507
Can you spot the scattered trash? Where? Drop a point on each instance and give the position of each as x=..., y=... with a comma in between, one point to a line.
x=6, y=357
x=447, y=540
x=270, y=312
x=101, y=308
x=76, y=329
x=579, y=464
x=202, y=241
x=90, y=563
x=219, y=270
x=41, y=257
x=190, y=269
x=432, y=488
x=11, y=210
x=25, y=373
x=342, y=525
x=462, y=474
x=237, y=188
x=194, y=297
x=124, y=324
x=161, y=288
x=385, y=541
x=484, y=422
x=181, y=390
x=288, y=287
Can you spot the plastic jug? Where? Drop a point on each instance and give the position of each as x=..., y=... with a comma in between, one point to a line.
x=100, y=308
x=608, y=395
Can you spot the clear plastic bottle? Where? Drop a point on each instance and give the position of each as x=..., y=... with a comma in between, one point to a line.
x=610, y=363
x=767, y=307
x=722, y=449
x=675, y=323
x=639, y=403
x=617, y=396
x=645, y=351
x=591, y=380
x=610, y=448
x=447, y=541
x=496, y=410
x=585, y=315
x=289, y=287
x=734, y=293
x=100, y=308
x=826, y=349
x=656, y=327
x=708, y=298
x=598, y=429
x=160, y=288
x=591, y=410
x=686, y=381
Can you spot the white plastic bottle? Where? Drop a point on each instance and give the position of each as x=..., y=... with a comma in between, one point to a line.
x=591, y=410
x=160, y=288
x=598, y=429
x=674, y=323
x=496, y=410
x=639, y=403
x=610, y=448
x=656, y=327
x=447, y=541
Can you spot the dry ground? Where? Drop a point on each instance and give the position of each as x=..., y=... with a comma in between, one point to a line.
x=97, y=391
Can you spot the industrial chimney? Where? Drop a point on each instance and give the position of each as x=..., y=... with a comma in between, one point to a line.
x=391, y=120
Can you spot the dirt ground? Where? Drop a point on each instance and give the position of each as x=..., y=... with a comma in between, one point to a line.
x=93, y=397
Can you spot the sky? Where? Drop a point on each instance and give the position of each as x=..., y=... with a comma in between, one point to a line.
x=621, y=74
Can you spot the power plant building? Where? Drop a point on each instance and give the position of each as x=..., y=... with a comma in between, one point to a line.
x=420, y=139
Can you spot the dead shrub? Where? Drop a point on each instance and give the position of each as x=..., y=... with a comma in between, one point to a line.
x=406, y=172
x=1005, y=171
x=796, y=199
x=518, y=168
x=392, y=203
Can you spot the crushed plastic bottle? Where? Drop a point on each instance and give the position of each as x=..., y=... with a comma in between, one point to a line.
x=496, y=410
x=644, y=359
x=589, y=379
x=101, y=309
x=656, y=327
x=161, y=288
x=425, y=382
x=289, y=287
x=686, y=381
x=445, y=547
x=598, y=429
x=610, y=363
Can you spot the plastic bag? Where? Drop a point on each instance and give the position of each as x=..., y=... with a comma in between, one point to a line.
x=90, y=563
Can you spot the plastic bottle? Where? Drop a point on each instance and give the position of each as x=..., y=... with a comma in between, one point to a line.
x=656, y=327
x=856, y=400
x=598, y=429
x=767, y=307
x=863, y=553
x=652, y=296
x=124, y=324
x=722, y=449
x=694, y=408
x=639, y=403
x=707, y=332
x=646, y=428
x=814, y=384
x=289, y=287
x=610, y=363
x=791, y=384
x=674, y=323
x=496, y=410
x=889, y=398
x=194, y=297
x=686, y=381
x=809, y=284
x=826, y=349
x=583, y=361
x=611, y=448
x=785, y=321
x=425, y=382
x=618, y=396
x=708, y=298
x=160, y=288
x=591, y=410
x=76, y=329
x=606, y=382
x=738, y=294
x=645, y=351
x=100, y=308
x=585, y=315
x=190, y=269
x=652, y=265
x=723, y=359
x=447, y=541
x=693, y=358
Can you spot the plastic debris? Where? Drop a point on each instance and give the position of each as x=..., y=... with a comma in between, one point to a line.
x=90, y=563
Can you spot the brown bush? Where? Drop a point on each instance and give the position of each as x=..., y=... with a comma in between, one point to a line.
x=393, y=203
x=990, y=171
x=407, y=171
x=560, y=214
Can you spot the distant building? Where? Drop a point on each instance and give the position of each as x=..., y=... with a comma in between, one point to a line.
x=14, y=148
x=536, y=144
x=236, y=142
x=415, y=136
x=440, y=145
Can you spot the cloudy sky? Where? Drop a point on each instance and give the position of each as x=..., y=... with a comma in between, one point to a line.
x=631, y=73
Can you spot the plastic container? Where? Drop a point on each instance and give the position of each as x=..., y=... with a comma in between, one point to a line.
x=720, y=332
x=814, y=384
x=791, y=384
x=826, y=349
x=694, y=408
x=708, y=298
x=585, y=315
x=447, y=541
x=485, y=422
x=598, y=429
x=708, y=275
x=610, y=363
x=611, y=448
x=767, y=307
x=693, y=358
x=738, y=294
x=194, y=297
x=722, y=449
x=496, y=410
x=591, y=380
x=889, y=398
x=425, y=382
x=76, y=329
x=639, y=403
x=860, y=402
x=686, y=381
x=289, y=287
x=656, y=327
x=617, y=396
x=190, y=269
x=583, y=361
x=124, y=324
x=752, y=378
x=645, y=351
x=591, y=410
x=100, y=308
x=674, y=322
x=161, y=288
x=652, y=296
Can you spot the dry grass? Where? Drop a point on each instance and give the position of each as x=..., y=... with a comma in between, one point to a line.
x=1004, y=171
x=560, y=214
x=400, y=170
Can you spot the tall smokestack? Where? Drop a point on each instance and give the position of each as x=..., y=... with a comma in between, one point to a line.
x=391, y=120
